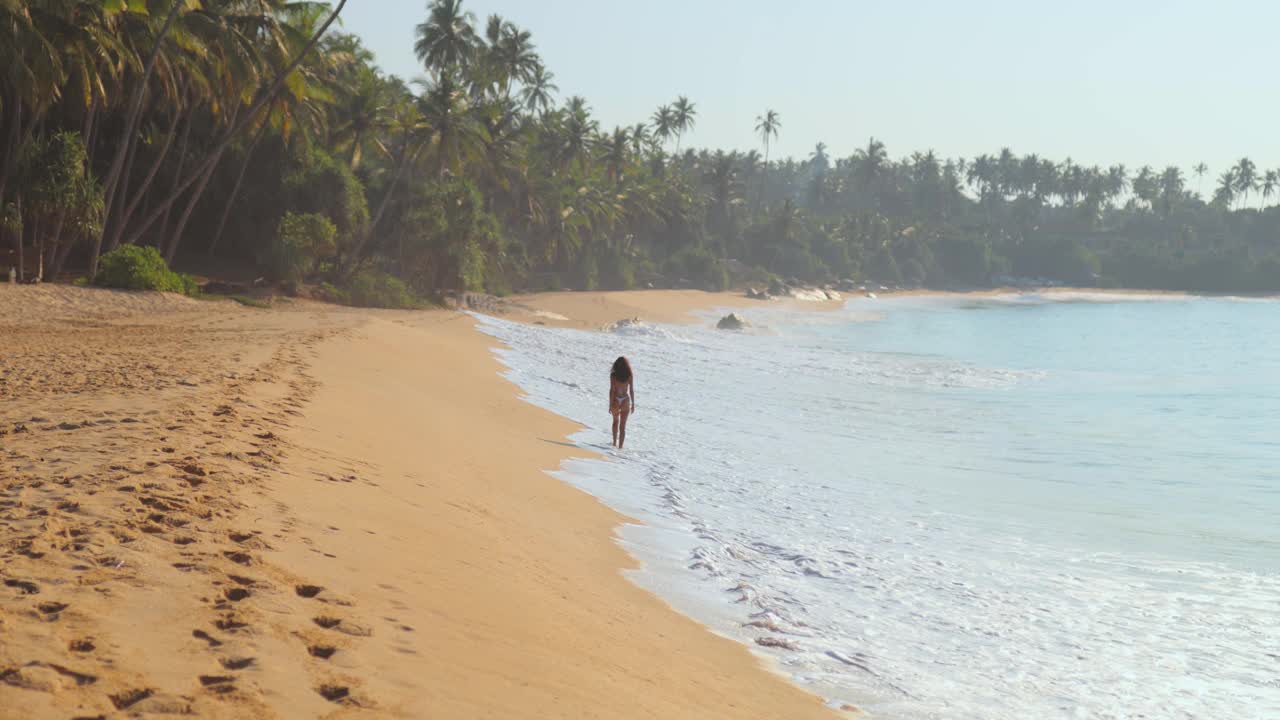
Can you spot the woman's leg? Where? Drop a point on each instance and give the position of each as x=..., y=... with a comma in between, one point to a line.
x=615, y=429
x=620, y=420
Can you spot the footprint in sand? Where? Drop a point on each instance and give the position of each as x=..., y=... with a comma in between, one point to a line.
x=235, y=556
x=202, y=635
x=229, y=623
x=324, y=652
x=218, y=683
x=308, y=591
x=343, y=626
x=334, y=693
x=83, y=645
x=51, y=610
x=236, y=663
x=146, y=700
x=27, y=587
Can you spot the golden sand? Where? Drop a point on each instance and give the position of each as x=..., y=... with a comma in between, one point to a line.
x=316, y=512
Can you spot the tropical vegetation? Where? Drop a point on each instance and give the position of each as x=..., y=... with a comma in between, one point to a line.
x=246, y=137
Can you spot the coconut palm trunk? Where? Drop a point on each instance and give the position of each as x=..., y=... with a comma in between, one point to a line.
x=130, y=130
x=11, y=148
x=17, y=237
x=352, y=261
x=176, y=238
x=764, y=177
x=235, y=189
x=246, y=118
x=123, y=221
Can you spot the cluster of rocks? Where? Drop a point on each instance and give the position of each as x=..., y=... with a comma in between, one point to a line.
x=479, y=302
x=829, y=291
x=794, y=289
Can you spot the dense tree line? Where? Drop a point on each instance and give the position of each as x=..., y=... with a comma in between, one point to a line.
x=239, y=136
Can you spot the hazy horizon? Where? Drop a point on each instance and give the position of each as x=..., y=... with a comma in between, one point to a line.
x=1141, y=84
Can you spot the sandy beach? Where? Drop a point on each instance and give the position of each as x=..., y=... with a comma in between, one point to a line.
x=312, y=511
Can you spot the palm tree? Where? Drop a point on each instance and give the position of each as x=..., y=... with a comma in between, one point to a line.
x=767, y=127
x=664, y=123
x=128, y=142
x=1117, y=182
x=684, y=113
x=539, y=91
x=818, y=159
x=1200, y=171
x=456, y=135
x=1270, y=181
x=362, y=113
x=239, y=120
x=1171, y=184
x=1006, y=172
x=1146, y=186
x=446, y=41
x=869, y=165
x=1226, y=192
x=615, y=153
x=721, y=177
x=516, y=57
x=1246, y=179
x=639, y=138
x=980, y=175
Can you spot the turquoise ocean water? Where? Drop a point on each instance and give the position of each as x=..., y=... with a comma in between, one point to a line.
x=1021, y=506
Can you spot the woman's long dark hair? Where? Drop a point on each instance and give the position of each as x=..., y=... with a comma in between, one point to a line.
x=621, y=370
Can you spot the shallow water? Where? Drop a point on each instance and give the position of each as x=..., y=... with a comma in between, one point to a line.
x=1012, y=507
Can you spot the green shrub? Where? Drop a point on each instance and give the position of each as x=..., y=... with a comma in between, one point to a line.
x=758, y=276
x=370, y=288
x=884, y=268
x=794, y=261
x=617, y=271
x=331, y=293
x=318, y=183
x=700, y=267
x=449, y=241
x=301, y=241
x=141, y=268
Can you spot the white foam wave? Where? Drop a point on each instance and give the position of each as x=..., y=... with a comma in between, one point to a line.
x=753, y=460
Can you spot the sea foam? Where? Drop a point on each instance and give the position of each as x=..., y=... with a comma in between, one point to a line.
x=929, y=528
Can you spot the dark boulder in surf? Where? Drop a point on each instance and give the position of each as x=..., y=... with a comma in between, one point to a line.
x=732, y=321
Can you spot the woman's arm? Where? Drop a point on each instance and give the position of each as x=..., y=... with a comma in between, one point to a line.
x=631, y=385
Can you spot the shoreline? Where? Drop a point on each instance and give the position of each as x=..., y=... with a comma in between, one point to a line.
x=600, y=310
x=702, y=674
x=298, y=512
x=596, y=310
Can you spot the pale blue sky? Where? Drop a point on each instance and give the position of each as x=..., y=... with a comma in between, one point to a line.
x=1132, y=81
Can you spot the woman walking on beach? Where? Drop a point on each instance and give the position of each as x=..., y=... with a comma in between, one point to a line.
x=622, y=399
